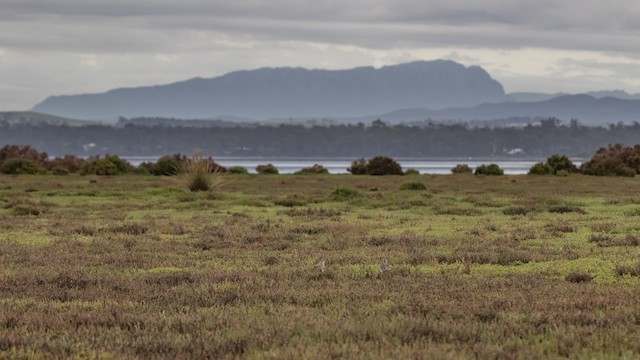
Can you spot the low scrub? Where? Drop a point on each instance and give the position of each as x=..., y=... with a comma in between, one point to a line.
x=630, y=270
x=379, y=165
x=461, y=169
x=413, y=186
x=614, y=160
x=344, y=193
x=238, y=170
x=22, y=152
x=109, y=165
x=315, y=169
x=555, y=165
x=21, y=166
x=167, y=166
x=579, y=276
x=267, y=169
x=491, y=169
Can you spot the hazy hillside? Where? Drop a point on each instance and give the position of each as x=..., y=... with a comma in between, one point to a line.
x=588, y=109
x=535, y=96
x=34, y=118
x=292, y=92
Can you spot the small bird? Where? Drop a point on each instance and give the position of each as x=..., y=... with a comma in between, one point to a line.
x=320, y=265
x=384, y=266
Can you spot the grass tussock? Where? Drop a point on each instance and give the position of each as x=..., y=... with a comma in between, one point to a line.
x=201, y=173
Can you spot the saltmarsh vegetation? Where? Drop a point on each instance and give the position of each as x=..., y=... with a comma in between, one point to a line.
x=478, y=267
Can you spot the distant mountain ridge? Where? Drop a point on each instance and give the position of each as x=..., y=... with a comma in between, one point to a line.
x=292, y=92
x=587, y=109
x=34, y=118
x=535, y=96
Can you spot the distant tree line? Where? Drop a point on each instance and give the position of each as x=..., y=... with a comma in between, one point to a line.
x=430, y=140
x=614, y=160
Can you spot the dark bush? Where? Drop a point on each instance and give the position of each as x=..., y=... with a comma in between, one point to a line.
x=23, y=152
x=411, y=171
x=461, y=169
x=383, y=165
x=379, y=165
x=614, y=160
x=71, y=163
x=238, y=170
x=491, y=169
x=21, y=166
x=541, y=169
x=267, y=169
x=358, y=167
x=315, y=169
x=167, y=166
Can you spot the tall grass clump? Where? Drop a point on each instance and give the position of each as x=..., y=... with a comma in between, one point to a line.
x=201, y=173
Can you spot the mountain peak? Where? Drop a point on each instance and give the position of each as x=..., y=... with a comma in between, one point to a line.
x=293, y=92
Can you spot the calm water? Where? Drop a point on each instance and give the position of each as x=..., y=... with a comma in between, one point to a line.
x=339, y=166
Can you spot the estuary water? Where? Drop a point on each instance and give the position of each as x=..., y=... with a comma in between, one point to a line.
x=340, y=165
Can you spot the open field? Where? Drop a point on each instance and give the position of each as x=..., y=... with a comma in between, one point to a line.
x=480, y=267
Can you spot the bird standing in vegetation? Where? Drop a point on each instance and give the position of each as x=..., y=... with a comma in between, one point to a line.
x=384, y=265
x=320, y=265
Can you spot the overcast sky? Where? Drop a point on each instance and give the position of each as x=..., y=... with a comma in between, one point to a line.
x=54, y=47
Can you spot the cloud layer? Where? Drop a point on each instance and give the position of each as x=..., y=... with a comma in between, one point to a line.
x=72, y=46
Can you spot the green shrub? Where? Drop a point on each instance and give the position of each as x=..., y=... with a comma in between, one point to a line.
x=267, y=169
x=20, y=166
x=561, y=163
x=344, y=193
x=122, y=166
x=238, y=170
x=167, y=166
x=541, y=169
x=491, y=169
x=562, y=173
x=315, y=169
x=413, y=186
x=411, y=171
x=97, y=166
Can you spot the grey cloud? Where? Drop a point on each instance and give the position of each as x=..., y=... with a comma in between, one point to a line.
x=231, y=35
